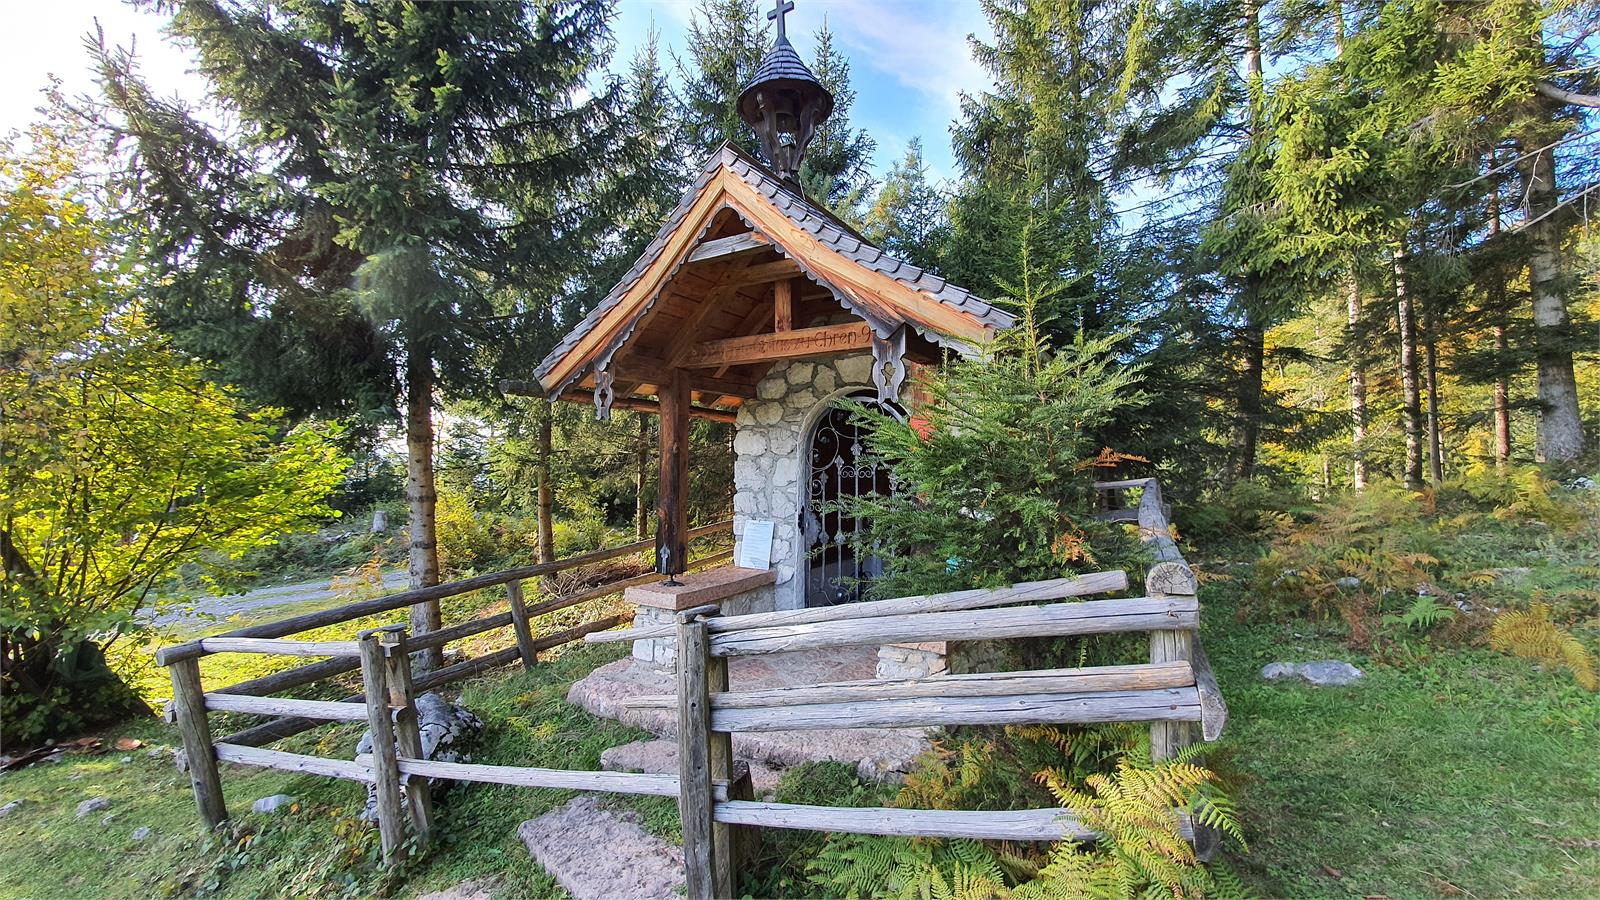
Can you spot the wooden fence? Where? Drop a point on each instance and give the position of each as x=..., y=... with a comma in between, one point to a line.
x=1174, y=692
x=383, y=658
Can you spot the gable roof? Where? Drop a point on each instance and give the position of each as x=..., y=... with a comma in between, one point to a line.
x=886, y=292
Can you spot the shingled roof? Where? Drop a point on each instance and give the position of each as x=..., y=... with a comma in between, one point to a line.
x=965, y=320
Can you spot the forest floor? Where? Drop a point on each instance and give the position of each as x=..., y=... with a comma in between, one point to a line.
x=1456, y=773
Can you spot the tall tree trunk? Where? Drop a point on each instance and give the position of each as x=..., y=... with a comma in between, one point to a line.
x=1502, y=402
x=1406, y=319
x=1254, y=334
x=1497, y=299
x=1560, y=434
x=422, y=495
x=547, y=494
x=1358, y=386
x=1248, y=430
x=641, y=475
x=1430, y=349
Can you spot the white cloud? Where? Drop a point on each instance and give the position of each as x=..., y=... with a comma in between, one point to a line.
x=923, y=46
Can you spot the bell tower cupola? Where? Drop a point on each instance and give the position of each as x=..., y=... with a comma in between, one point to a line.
x=784, y=103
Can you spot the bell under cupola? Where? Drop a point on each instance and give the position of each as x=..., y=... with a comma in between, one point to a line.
x=784, y=103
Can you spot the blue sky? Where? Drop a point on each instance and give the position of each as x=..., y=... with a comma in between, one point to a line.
x=909, y=60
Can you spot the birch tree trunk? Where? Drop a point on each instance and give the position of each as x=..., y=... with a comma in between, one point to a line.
x=1406, y=319
x=1358, y=388
x=1502, y=403
x=422, y=495
x=1560, y=434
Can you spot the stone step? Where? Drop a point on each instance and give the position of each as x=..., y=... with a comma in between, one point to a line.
x=600, y=852
x=660, y=757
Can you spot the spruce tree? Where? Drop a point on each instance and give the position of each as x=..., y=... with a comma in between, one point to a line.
x=383, y=143
x=910, y=218
x=726, y=41
x=837, y=169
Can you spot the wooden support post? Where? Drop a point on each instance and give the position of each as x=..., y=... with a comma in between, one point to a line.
x=189, y=704
x=694, y=750
x=407, y=733
x=782, y=305
x=519, y=624
x=720, y=763
x=385, y=770
x=672, y=512
x=1167, y=739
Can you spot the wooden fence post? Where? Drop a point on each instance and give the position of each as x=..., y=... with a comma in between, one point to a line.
x=189, y=706
x=1170, y=579
x=519, y=625
x=408, y=736
x=694, y=750
x=720, y=763
x=1167, y=739
x=385, y=772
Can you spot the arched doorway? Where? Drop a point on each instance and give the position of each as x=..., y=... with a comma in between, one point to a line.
x=837, y=467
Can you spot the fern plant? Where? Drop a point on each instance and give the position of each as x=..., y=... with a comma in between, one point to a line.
x=1423, y=613
x=1532, y=635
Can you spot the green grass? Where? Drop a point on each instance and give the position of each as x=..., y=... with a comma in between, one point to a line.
x=1446, y=771
x=320, y=849
x=1460, y=773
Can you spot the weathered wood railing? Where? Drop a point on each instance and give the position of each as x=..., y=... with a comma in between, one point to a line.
x=1175, y=692
x=383, y=656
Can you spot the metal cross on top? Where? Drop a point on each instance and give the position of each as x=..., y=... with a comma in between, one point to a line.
x=783, y=7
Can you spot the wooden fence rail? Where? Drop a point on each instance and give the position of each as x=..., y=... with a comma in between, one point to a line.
x=1174, y=692
x=386, y=702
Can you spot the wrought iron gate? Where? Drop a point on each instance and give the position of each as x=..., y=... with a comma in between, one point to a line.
x=838, y=466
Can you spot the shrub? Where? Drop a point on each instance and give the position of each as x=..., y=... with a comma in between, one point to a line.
x=1354, y=553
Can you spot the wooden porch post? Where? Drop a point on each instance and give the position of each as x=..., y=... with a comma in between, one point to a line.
x=672, y=515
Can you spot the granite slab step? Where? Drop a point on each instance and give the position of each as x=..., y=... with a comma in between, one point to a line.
x=597, y=851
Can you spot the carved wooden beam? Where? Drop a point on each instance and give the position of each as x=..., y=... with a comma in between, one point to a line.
x=772, y=271
x=828, y=340
x=748, y=242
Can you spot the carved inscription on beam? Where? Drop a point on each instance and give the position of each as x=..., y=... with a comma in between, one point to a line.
x=828, y=340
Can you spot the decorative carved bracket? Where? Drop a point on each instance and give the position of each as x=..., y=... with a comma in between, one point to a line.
x=889, y=364
x=604, y=393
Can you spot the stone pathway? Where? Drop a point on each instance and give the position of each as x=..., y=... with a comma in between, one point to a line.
x=880, y=754
x=599, y=852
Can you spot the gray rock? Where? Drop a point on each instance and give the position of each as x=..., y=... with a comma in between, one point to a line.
x=10, y=808
x=142, y=833
x=1322, y=672
x=448, y=733
x=484, y=888
x=599, y=853
x=273, y=804
x=93, y=805
x=1349, y=582
x=1582, y=483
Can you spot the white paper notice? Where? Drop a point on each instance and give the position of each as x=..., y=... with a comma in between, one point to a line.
x=755, y=545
